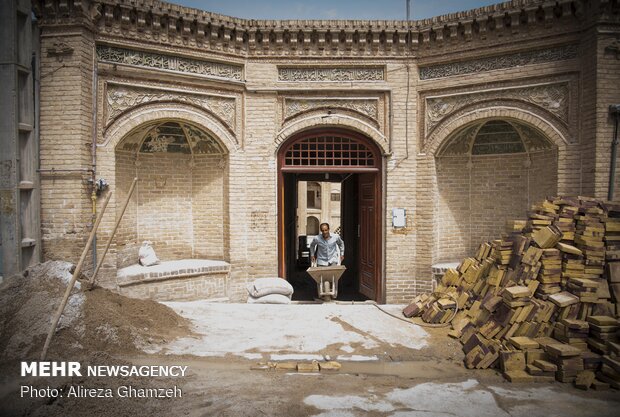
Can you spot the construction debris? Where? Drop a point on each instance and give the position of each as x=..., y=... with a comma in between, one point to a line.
x=541, y=302
x=304, y=367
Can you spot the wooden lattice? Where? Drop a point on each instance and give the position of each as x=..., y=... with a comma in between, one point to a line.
x=329, y=151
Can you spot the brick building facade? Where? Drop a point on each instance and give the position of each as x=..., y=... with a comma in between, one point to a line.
x=463, y=120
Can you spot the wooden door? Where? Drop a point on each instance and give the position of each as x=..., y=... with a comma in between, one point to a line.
x=368, y=236
x=290, y=227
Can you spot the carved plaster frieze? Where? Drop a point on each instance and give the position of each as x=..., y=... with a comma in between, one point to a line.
x=171, y=137
x=120, y=98
x=465, y=143
x=613, y=48
x=366, y=106
x=551, y=97
x=499, y=62
x=157, y=61
x=461, y=144
x=532, y=138
x=331, y=74
x=59, y=49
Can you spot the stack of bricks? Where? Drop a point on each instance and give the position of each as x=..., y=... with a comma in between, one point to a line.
x=502, y=250
x=609, y=369
x=542, y=215
x=568, y=360
x=565, y=221
x=526, y=300
x=550, y=274
x=573, y=332
x=613, y=279
x=612, y=233
x=612, y=252
x=589, y=238
x=602, y=329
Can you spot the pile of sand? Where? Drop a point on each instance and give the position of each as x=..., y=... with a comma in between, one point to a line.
x=96, y=320
x=98, y=327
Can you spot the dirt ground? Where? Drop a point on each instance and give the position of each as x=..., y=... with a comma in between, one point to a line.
x=101, y=327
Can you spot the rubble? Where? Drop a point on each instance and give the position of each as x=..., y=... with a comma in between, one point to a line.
x=542, y=302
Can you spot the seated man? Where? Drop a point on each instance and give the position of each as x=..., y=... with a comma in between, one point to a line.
x=324, y=248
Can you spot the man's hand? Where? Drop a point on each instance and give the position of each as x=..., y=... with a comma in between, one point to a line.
x=313, y=258
x=341, y=259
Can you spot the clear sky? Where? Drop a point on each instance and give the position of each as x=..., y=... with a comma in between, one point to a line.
x=334, y=9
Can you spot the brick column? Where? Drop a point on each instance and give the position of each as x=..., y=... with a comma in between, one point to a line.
x=66, y=137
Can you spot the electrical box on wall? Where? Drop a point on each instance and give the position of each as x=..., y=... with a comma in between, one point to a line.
x=399, y=217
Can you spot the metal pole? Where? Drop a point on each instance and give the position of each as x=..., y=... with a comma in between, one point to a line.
x=615, y=111
x=93, y=151
x=408, y=8
x=118, y=221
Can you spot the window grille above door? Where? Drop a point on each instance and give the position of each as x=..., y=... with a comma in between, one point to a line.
x=329, y=151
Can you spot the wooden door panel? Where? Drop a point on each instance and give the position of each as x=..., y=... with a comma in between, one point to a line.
x=369, y=274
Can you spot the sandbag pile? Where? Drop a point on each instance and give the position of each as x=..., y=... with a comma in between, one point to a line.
x=542, y=302
x=269, y=291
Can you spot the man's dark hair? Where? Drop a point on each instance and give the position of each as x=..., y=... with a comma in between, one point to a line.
x=322, y=224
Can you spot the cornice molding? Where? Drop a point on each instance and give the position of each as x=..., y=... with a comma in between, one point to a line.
x=176, y=25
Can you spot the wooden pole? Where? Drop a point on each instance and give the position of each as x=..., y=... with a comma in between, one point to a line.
x=107, y=246
x=76, y=274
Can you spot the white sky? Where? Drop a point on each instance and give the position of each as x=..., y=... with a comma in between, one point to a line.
x=334, y=9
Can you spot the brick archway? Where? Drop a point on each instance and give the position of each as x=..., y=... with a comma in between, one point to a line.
x=139, y=116
x=118, y=168
x=342, y=122
x=487, y=171
x=340, y=152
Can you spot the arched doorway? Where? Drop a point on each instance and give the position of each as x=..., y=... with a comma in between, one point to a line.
x=488, y=172
x=354, y=163
x=312, y=225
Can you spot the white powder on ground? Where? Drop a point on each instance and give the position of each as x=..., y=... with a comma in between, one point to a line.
x=292, y=329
